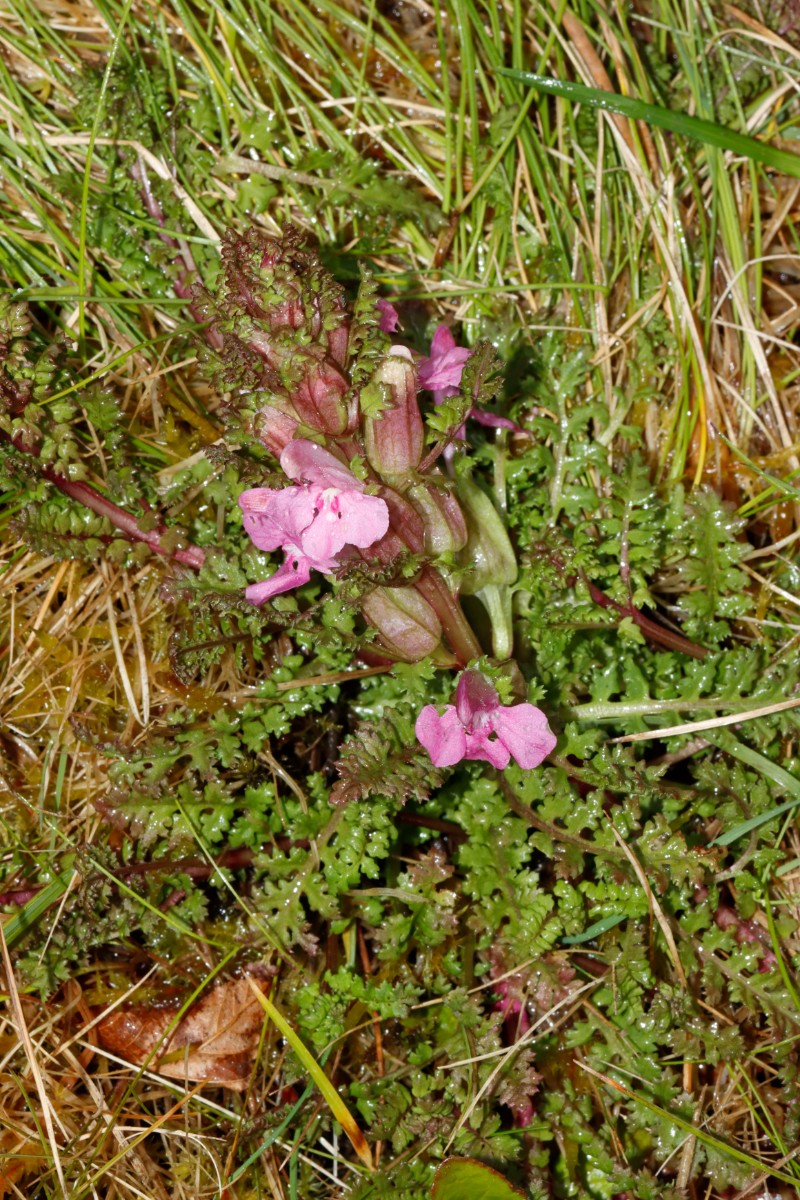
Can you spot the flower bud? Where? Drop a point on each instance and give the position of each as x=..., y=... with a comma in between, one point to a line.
x=445, y=527
x=338, y=340
x=274, y=428
x=395, y=437
x=319, y=398
x=407, y=626
x=488, y=554
x=405, y=521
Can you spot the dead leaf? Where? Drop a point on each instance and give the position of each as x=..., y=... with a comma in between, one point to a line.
x=214, y=1042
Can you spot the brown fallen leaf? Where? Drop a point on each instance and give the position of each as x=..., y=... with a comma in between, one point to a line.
x=214, y=1042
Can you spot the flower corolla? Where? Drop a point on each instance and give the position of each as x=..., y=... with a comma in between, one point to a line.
x=389, y=316
x=479, y=726
x=311, y=521
x=441, y=374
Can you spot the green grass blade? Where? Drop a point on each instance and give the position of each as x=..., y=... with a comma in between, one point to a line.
x=332, y=1098
x=788, y=982
x=702, y=1135
x=743, y=827
x=22, y=922
x=601, y=926
x=781, y=778
x=708, y=132
x=765, y=766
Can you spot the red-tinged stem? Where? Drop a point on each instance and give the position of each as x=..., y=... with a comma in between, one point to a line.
x=85, y=494
x=425, y=822
x=181, y=286
x=651, y=630
x=462, y=640
x=89, y=497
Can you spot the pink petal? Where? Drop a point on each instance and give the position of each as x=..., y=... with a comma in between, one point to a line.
x=293, y=572
x=482, y=744
x=324, y=537
x=274, y=517
x=446, y=363
x=442, y=736
x=306, y=460
x=524, y=731
x=442, y=342
x=365, y=518
x=293, y=510
x=344, y=519
x=256, y=505
x=475, y=697
x=390, y=318
x=486, y=418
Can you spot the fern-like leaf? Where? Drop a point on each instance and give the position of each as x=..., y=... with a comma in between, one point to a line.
x=378, y=761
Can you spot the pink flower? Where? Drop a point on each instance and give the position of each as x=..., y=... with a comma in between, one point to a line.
x=312, y=521
x=390, y=318
x=441, y=374
x=478, y=726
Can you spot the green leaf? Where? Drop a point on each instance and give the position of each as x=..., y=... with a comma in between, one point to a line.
x=601, y=926
x=468, y=1179
x=708, y=132
x=22, y=922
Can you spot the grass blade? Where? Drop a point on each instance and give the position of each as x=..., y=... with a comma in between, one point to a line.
x=332, y=1098
x=699, y=130
x=601, y=926
x=743, y=827
x=765, y=766
x=702, y=1135
x=22, y=922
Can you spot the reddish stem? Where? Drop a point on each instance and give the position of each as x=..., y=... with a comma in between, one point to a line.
x=189, y=556
x=651, y=629
x=425, y=822
x=462, y=640
x=89, y=497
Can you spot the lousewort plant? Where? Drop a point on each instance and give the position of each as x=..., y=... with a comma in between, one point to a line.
x=369, y=490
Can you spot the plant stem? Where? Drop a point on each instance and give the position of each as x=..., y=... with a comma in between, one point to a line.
x=462, y=640
x=651, y=629
x=84, y=493
x=89, y=497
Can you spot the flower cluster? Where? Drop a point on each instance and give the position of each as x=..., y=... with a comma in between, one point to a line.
x=336, y=400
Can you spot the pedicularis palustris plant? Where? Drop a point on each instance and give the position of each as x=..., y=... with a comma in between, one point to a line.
x=372, y=491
